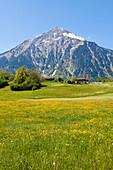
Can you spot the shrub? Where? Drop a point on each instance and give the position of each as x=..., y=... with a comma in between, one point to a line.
x=6, y=76
x=24, y=86
x=26, y=79
x=12, y=77
x=60, y=79
x=3, y=83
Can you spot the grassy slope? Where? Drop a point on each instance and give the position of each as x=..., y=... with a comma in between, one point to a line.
x=57, y=90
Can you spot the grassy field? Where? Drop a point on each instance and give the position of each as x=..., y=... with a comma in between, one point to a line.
x=71, y=129
x=56, y=135
x=57, y=90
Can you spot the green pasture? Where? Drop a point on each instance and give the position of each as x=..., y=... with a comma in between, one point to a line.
x=58, y=90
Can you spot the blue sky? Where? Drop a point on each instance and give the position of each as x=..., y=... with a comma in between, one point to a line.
x=24, y=19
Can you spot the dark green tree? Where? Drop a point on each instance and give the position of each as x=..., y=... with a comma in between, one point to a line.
x=26, y=79
x=99, y=79
x=4, y=75
x=12, y=77
x=21, y=75
x=4, y=78
x=60, y=79
x=33, y=75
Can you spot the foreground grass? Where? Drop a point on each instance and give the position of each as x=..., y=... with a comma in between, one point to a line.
x=56, y=135
x=57, y=90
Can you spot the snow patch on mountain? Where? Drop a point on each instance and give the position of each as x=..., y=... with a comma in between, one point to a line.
x=71, y=35
x=45, y=41
x=57, y=38
x=54, y=73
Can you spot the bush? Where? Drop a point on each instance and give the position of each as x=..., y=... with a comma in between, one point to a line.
x=12, y=77
x=3, y=83
x=6, y=76
x=26, y=79
x=99, y=79
x=24, y=86
x=60, y=79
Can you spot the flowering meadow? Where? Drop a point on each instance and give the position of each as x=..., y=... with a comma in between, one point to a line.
x=56, y=135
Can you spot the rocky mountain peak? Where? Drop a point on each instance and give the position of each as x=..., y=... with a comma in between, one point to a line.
x=57, y=33
x=59, y=52
x=58, y=29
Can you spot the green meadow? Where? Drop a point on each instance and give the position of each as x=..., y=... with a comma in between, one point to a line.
x=61, y=127
x=58, y=90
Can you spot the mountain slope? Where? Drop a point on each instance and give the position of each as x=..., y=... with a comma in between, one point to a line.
x=60, y=53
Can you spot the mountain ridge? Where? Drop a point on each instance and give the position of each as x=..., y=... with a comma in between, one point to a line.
x=60, y=53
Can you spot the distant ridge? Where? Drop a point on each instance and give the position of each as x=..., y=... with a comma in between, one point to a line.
x=60, y=53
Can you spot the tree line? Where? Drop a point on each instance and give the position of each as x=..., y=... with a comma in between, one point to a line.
x=29, y=79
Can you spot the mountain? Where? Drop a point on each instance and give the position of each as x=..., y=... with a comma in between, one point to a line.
x=60, y=53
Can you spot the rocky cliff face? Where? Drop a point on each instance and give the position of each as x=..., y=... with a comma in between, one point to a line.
x=60, y=53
